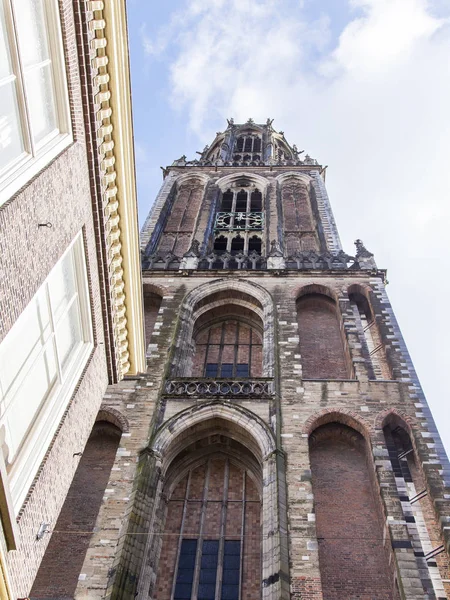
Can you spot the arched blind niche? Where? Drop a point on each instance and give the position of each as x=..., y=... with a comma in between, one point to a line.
x=352, y=555
x=372, y=344
x=422, y=520
x=298, y=220
x=211, y=542
x=324, y=355
x=181, y=220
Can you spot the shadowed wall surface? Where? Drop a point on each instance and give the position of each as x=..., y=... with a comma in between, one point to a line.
x=63, y=560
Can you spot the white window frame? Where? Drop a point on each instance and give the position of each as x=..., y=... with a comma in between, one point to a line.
x=33, y=159
x=48, y=416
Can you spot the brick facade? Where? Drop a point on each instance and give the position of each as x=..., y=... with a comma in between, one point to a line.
x=60, y=194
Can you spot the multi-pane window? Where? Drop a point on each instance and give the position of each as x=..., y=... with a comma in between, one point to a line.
x=211, y=542
x=209, y=562
x=41, y=360
x=240, y=210
x=247, y=148
x=34, y=116
x=239, y=223
x=229, y=349
x=186, y=566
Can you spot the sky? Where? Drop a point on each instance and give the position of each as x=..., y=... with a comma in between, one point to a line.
x=363, y=86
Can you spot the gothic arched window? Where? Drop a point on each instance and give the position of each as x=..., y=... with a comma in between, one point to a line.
x=220, y=244
x=237, y=245
x=211, y=538
x=254, y=245
x=250, y=144
x=230, y=348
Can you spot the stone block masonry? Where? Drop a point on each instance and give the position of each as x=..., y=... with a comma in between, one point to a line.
x=356, y=402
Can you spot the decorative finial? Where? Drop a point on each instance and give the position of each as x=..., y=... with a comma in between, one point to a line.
x=230, y=122
x=269, y=122
x=250, y=121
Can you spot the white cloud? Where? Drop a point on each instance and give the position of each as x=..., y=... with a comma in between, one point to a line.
x=372, y=103
x=385, y=35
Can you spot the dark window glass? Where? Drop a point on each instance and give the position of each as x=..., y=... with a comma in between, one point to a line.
x=239, y=144
x=227, y=201
x=256, y=201
x=254, y=244
x=208, y=570
x=227, y=370
x=241, y=201
x=257, y=145
x=211, y=370
x=237, y=245
x=242, y=370
x=186, y=565
x=231, y=568
x=248, y=144
x=220, y=244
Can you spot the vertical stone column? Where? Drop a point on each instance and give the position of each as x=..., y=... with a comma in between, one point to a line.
x=275, y=574
x=136, y=538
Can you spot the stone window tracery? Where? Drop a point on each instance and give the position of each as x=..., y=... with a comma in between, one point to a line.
x=212, y=543
x=247, y=148
x=298, y=220
x=240, y=210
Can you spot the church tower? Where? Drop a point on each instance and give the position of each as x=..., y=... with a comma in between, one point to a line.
x=279, y=445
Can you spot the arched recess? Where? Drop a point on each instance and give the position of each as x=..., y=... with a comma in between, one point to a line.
x=185, y=448
x=240, y=214
x=181, y=217
x=354, y=552
x=63, y=560
x=228, y=339
x=241, y=299
x=299, y=215
x=371, y=341
x=417, y=504
x=323, y=346
x=152, y=303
